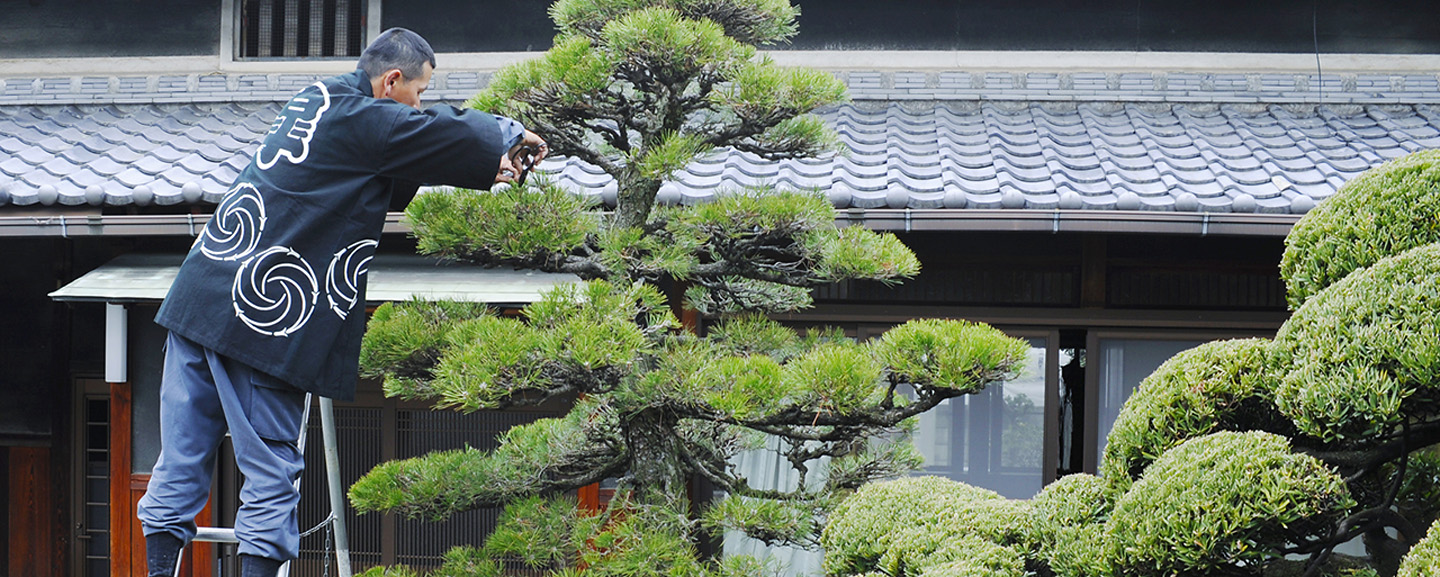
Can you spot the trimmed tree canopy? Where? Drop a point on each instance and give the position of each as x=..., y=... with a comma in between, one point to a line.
x=1365, y=353
x=1241, y=458
x=1222, y=501
x=1424, y=557
x=1384, y=211
x=1222, y=385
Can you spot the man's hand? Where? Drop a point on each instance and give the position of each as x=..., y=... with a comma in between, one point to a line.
x=522, y=157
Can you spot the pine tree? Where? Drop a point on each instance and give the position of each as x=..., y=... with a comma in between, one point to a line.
x=640, y=89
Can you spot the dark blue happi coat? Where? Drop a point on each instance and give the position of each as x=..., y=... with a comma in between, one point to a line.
x=277, y=278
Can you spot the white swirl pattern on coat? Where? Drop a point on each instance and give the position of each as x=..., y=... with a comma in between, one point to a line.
x=234, y=231
x=347, y=269
x=275, y=292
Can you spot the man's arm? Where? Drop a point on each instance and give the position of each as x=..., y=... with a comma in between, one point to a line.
x=465, y=148
x=441, y=145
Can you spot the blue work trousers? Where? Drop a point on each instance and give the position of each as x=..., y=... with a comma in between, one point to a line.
x=202, y=395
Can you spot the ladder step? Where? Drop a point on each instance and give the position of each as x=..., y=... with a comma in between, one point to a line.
x=215, y=535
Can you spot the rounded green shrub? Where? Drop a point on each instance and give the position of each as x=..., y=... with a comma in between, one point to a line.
x=908, y=518
x=1067, y=525
x=1384, y=211
x=1424, y=558
x=966, y=556
x=1221, y=385
x=1073, y=500
x=1365, y=353
x=1218, y=503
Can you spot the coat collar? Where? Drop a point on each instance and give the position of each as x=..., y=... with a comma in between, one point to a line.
x=360, y=81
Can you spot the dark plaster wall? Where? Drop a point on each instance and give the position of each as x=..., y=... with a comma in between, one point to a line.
x=95, y=28
x=1294, y=26
x=30, y=380
x=474, y=26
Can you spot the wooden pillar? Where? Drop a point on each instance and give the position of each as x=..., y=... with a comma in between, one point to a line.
x=589, y=496
x=127, y=537
x=32, y=531
x=124, y=527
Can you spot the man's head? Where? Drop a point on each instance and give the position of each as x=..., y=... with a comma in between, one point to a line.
x=399, y=64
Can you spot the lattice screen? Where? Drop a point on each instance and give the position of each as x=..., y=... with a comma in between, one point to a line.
x=301, y=28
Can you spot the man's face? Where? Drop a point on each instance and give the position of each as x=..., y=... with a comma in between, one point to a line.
x=407, y=90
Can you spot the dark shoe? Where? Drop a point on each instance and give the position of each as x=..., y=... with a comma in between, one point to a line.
x=162, y=554
x=252, y=566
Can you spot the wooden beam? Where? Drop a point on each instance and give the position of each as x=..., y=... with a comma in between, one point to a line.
x=1093, y=267
x=135, y=546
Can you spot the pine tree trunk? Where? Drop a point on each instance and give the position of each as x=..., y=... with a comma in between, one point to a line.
x=656, y=470
x=635, y=199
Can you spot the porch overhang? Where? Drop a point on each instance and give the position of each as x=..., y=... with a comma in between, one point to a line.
x=146, y=278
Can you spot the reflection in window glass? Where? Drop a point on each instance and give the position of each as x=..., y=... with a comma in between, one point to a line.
x=992, y=439
x=1123, y=364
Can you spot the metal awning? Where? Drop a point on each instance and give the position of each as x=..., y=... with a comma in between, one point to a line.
x=139, y=278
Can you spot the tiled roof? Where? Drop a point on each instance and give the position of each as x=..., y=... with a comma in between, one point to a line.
x=1164, y=148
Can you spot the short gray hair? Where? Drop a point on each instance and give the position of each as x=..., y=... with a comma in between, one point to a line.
x=397, y=48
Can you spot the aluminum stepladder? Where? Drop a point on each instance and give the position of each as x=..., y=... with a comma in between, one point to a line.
x=332, y=478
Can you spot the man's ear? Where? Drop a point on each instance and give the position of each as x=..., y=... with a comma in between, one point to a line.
x=389, y=80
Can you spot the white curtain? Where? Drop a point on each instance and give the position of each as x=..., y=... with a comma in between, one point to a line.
x=767, y=470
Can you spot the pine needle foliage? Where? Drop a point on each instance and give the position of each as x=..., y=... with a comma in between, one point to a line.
x=640, y=89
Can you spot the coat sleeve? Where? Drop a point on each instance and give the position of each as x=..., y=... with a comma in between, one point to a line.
x=443, y=145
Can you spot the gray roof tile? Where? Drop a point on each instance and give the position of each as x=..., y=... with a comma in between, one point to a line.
x=84, y=178
x=34, y=156
x=39, y=178
x=12, y=145
x=1209, y=154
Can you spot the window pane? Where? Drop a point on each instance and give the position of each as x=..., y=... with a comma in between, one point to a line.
x=1123, y=364
x=992, y=439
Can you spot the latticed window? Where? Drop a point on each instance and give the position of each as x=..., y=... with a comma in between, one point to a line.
x=366, y=436
x=301, y=28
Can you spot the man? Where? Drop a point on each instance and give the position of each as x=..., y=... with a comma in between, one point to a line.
x=269, y=303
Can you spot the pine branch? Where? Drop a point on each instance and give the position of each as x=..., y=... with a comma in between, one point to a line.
x=1361, y=458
